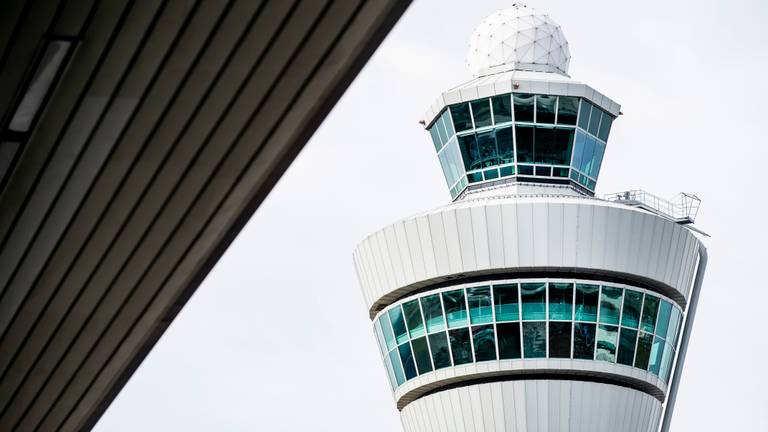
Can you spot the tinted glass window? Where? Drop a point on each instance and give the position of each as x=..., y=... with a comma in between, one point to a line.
x=650, y=310
x=567, y=108
x=523, y=107
x=447, y=123
x=435, y=137
x=524, y=137
x=509, y=340
x=560, y=301
x=475, y=177
x=534, y=339
x=398, y=325
x=525, y=169
x=633, y=302
x=413, y=318
x=586, y=108
x=627, y=339
x=605, y=127
x=469, y=152
x=433, y=312
x=486, y=143
x=533, y=296
x=545, y=108
x=479, y=299
x=584, y=341
x=502, y=108
x=665, y=310
x=461, y=118
x=578, y=149
x=460, y=346
x=588, y=154
x=597, y=159
x=506, y=302
x=560, y=339
x=421, y=352
x=441, y=357
x=644, y=343
x=607, y=337
x=389, y=337
x=390, y=372
x=657, y=350
x=666, y=362
x=594, y=120
x=481, y=111
x=394, y=360
x=610, y=303
x=455, y=309
x=586, y=302
x=485, y=343
x=674, y=325
x=406, y=356
x=504, y=145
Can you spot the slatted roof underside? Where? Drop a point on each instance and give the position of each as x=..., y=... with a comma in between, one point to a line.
x=170, y=125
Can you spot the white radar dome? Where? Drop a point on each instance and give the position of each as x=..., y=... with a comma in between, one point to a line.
x=518, y=38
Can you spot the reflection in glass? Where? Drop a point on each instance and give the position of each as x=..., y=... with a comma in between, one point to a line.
x=460, y=346
x=421, y=352
x=666, y=362
x=509, y=340
x=534, y=339
x=406, y=356
x=605, y=127
x=650, y=310
x=413, y=318
x=627, y=339
x=586, y=109
x=545, y=108
x=594, y=120
x=586, y=302
x=665, y=310
x=441, y=357
x=461, y=118
x=606, y=343
x=455, y=309
x=481, y=112
x=396, y=367
x=560, y=301
x=390, y=373
x=674, y=325
x=505, y=300
x=523, y=107
x=524, y=137
x=486, y=144
x=560, y=339
x=435, y=137
x=633, y=301
x=533, y=296
x=502, y=109
x=567, y=107
x=584, y=341
x=485, y=343
x=610, y=304
x=505, y=146
x=479, y=299
x=389, y=337
x=433, y=312
x=644, y=343
x=398, y=324
x=446, y=119
x=657, y=351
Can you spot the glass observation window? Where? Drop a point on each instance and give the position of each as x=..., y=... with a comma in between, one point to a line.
x=433, y=313
x=455, y=309
x=605, y=126
x=398, y=325
x=523, y=104
x=480, y=309
x=406, y=356
x=567, y=109
x=674, y=325
x=441, y=355
x=524, y=137
x=633, y=302
x=560, y=340
x=650, y=310
x=460, y=346
x=665, y=310
x=485, y=342
x=446, y=121
x=560, y=301
x=627, y=341
x=584, y=341
x=534, y=339
x=506, y=302
x=505, y=145
x=610, y=305
x=666, y=365
x=389, y=337
x=606, y=343
x=462, y=120
x=421, y=352
x=657, y=350
x=509, y=340
x=545, y=108
x=644, y=342
x=413, y=318
x=481, y=113
x=584, y=113
x=586, y=302
x=502, y=108
x=397, y=367
x=533, y=296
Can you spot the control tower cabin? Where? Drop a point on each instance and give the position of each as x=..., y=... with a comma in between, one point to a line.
x=527, y=303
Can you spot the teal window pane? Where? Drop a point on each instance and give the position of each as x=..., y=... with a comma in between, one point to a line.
x=421, y=352
x=397, y=368
x=567, y=108
x=509, y=340
x=560, y=340
x=578, y=149
x=657, y=351
x=435, y=137
x=525, y=169
x=665, y=310
x=524, y=137
x=455, y=308
x=380, y=338
x=610, y=304
x=406, y=356
x=535, y=339
x=586, y=109
x=440, y=128
x=460, y=346
x=523, y=104
x=627, y=341
x=633, y=302
x=389, y=337
x=650, y=310
x=480, y=309
x=597, y=159
x=584, y=341
x=560, y=301
x=504, y=144
x=605, y=127
x=470, y=153
x=475, y=177
x=506, y=302
x=398, y=324
x=552, y=145
x=560, y=172
x=644, y=343
x=446, y=119
x=390, y=372
x=481, y=111
x=507, y=171
x=485, y=343
x=545, y=108
x=486, y=144
x=666, y=362
x=433, y=313
x=461, y=118
x=502, y=108
x=674, y=325
x=491, y=174
x=544, y=171
x=607, y=337
x=594, y=120
x=586, y=302
x=441, y=356
x=413, y=318
x=588, y=155
x=533, y=296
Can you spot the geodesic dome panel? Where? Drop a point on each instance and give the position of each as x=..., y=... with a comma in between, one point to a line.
x=518, y=38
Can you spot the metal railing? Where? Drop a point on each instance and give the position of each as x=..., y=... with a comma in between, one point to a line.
x=682, y=208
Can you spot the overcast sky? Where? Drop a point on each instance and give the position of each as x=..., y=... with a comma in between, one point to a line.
x=278, y=338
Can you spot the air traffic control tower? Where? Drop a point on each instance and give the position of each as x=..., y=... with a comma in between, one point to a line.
x=528, y=303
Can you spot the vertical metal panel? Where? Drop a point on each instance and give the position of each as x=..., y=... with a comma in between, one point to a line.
x=511, y=240
x=466, y=238
x=437, y=237
x=599, y=235
x=396, y=260
x=406, y=257
x=555, y=234
x=452, y=241
x=480, y=235
x=540, y=241
x=427, y=247
x=584, y=236
x=525, y=234
x=570, y=234
x=414, y=243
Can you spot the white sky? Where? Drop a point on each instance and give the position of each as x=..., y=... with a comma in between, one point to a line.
x=277, y=337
